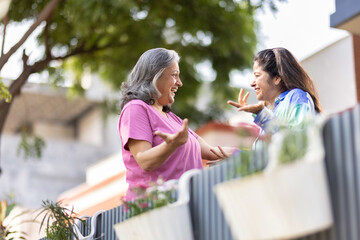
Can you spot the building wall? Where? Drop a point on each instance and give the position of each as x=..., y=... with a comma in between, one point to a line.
x=62, y=166
x=48, y=130
x=332, y=68
x=90, y=128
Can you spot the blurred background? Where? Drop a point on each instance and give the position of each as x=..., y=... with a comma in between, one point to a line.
x=63, y=63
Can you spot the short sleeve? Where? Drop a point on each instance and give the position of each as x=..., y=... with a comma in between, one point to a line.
x=135, y=123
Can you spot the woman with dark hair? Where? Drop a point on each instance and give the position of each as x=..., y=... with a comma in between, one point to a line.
x=285, y=91
x=155, y=142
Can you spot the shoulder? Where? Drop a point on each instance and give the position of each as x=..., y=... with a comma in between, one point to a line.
x=135, y=108
x=297, y=95
x=136, y=102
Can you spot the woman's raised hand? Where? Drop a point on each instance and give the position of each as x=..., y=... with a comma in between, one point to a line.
x=242, y=101
x=176, y=139
x=243, y=106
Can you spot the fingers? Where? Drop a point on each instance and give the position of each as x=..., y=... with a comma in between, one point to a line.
x=164, y=136
x=246, y=97
x=240, y=95
x=219, y=154
x=232, y=103
x=223, y=152
x=210, y=163
x=255, y=108
x=185, y=125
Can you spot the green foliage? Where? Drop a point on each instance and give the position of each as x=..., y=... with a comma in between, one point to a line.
x=245, y=164
x=58, y=221
x=31, y=146
x=294, y=145
x=108, y=37
x=149, y=197
x=4, y=92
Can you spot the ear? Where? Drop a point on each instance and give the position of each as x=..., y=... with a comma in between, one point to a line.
x=277, y=80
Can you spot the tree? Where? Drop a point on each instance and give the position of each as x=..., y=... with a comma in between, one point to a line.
x=107, y=37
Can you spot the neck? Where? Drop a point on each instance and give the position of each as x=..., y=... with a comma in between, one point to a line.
x=159, y=108
x=270, y=104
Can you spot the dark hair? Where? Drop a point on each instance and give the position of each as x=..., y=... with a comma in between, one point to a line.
x=141, y=82
x=280, y=62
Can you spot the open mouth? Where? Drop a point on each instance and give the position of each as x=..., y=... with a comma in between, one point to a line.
x=173, y=91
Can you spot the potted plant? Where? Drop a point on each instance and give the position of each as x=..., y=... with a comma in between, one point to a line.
x=155, y=215
x=58, y=221
x=290, y=198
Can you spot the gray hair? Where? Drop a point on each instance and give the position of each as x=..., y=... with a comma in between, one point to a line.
x=141, y=82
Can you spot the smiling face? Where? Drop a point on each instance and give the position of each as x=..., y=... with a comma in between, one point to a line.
x=266, y=87
x=168, y=84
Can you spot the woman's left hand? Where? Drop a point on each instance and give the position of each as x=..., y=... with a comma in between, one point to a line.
x=223, y=152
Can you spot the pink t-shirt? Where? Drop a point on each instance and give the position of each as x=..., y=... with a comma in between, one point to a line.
x=140, y=121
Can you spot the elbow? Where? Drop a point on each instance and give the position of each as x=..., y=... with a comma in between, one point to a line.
x=148, y=167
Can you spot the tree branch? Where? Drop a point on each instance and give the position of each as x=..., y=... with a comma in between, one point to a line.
x=5, y=22
x=15, y=87
x=80, y=51
x=44, y=15
x=46, y=38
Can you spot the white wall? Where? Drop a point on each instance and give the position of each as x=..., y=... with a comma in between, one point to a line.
x=63, y=166
x=332, y=68
x=91, y=127
x=48, y=130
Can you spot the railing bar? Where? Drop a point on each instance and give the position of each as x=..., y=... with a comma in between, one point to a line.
x=356, y=159
x=349, y=162
x=339, y=206
x=211, y=182
x=218, y=216
x=207, y=206
x=195, y=189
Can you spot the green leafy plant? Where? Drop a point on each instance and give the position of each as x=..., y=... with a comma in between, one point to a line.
x=294, y=145
x=148, y=197
x=245, y=166
x=288, y=144
x=31, y=146
x=58, y=221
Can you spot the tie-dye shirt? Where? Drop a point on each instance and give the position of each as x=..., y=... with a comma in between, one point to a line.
x=290, y=109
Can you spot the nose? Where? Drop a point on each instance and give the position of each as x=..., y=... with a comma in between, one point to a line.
x=178, y=82
x=253, y=84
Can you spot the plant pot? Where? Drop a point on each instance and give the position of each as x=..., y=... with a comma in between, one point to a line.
x=169, y=222
x=287, y=201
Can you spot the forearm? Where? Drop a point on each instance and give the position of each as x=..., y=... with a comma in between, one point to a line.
x=208, y=155
x=152, y=158
x=211, y=153
x=206, y=150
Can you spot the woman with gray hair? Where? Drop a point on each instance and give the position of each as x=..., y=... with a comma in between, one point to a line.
x=155, y=142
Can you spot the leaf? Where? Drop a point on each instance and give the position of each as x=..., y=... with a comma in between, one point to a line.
x=4, y=92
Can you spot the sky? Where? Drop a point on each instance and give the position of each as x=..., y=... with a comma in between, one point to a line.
x=301, y=26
